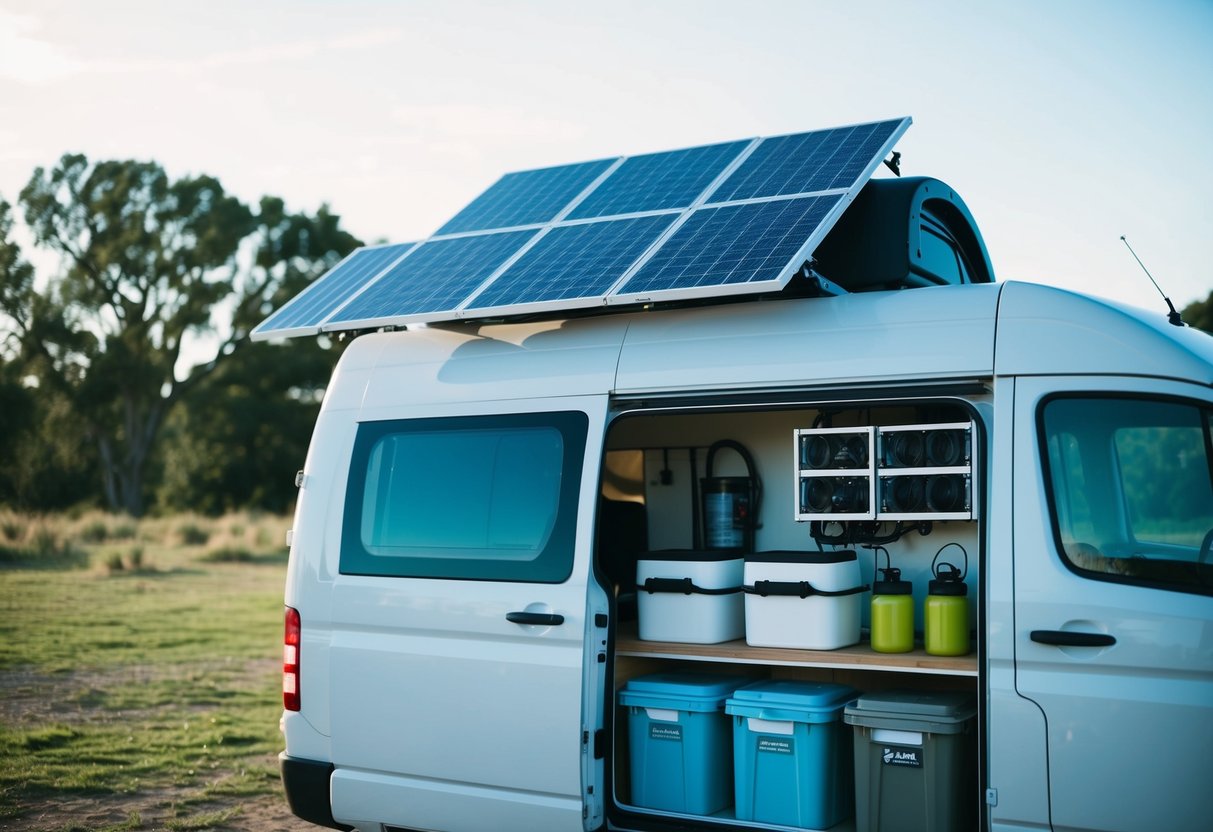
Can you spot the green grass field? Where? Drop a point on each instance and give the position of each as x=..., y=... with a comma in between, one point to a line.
x=140, y=665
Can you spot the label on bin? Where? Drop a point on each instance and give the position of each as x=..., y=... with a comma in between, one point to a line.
x=776, y=745
x=901, y=756
x=665, y=731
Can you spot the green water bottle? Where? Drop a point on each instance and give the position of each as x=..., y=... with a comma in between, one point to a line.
x=947, y=609
x=892, y=613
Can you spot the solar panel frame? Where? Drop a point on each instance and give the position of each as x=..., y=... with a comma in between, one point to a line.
x=780, y=166
x=420, y=309
x=664, y=181
x=622, y=295
x=321, y=287
x=577, y=247
x=529, y=198
x=584, y=194
x=705, y=247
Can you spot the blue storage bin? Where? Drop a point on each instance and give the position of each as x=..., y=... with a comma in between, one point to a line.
x=681, y=742
x=792, y=753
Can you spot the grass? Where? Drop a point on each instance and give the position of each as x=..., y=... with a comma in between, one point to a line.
x=139, y=667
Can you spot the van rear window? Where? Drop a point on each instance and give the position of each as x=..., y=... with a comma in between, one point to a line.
x=479, y=498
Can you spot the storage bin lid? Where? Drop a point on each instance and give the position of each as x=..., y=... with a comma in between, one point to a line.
x=692, y=555
x=839, y=556
x=937, y=712
x=681, y=691
x=791, y=700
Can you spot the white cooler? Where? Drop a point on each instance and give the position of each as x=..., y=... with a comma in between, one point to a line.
x=805, y=600
x=690, y=596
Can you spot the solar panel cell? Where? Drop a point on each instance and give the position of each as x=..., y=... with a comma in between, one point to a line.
x=806, y=162
x=658, y=181
x=529, y=197
x=437, y=276
x=574, y=261
x=732, y=244
x=311, y=306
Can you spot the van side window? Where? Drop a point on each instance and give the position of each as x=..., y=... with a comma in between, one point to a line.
x=485, y=498
x=1131, y=489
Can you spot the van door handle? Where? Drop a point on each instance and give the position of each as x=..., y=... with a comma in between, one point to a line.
x=1067, y=638
x=548, y=619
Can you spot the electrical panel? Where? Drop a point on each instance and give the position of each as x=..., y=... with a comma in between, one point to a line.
x=836, y=474
x=896, y=472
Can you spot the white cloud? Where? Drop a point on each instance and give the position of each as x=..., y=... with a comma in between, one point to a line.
x=27, y=58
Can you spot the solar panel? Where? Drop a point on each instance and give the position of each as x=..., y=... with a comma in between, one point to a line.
x=749, y=243
x=304, y=313
x=530, y=197
x=437, y=276
x=658, y=181
x=722, y=219
x=808, y=162
x=574, y=261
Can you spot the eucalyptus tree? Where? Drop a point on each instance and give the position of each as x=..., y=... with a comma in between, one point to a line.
x=145, y=262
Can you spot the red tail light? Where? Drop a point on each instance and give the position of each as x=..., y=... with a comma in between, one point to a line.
x=290, y=661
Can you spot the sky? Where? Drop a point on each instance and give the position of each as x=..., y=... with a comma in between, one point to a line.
x=1063, y=125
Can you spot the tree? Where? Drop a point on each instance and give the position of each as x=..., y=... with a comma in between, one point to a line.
x=240, y=436
x=146, y=261
x=1199, y=314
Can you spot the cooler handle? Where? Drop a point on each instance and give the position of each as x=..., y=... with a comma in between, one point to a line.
x=799, y=589
x=684, y=586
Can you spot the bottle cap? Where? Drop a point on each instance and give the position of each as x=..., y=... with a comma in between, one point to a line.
x=892, y=583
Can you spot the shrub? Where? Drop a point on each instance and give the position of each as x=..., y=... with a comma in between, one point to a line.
x=228, y=554
x=125, y=531
x=94, y=532
x=193, y=535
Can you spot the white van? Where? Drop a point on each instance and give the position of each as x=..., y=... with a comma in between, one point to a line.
x=461, y=614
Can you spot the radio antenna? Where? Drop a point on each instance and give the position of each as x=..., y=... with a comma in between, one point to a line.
x=1174, y=317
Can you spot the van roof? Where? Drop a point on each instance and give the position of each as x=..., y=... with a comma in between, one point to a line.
x=930, y=334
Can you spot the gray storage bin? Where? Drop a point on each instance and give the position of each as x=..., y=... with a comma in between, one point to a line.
x=915, y=761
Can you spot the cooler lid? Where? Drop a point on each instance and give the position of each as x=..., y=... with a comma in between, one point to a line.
x=938, y=711
x=692, y=555
x=838, y=556
x=791, y=699
x=681, y=691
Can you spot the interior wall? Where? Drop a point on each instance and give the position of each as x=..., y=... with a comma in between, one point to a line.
x=667, y=440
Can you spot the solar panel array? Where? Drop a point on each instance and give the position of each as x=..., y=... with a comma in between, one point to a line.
x=722, y=219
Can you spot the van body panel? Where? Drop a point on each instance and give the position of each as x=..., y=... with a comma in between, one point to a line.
x=1016, y=726
x=368, y=800
x=1130, y=723
x=517, y=361
x=435, y=691
x=1047, y=331
x=440, y=713
x=921, y=334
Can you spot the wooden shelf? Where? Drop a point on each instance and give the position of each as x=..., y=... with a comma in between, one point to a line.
x=855, y=657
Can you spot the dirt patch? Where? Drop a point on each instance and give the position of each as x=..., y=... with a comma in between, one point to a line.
x=30, y=699
x=154, y=811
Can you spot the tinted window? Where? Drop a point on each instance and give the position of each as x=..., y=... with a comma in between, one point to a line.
x=491, y=498
x=1131, y=488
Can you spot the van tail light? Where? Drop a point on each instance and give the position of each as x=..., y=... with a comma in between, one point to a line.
x=290, y=661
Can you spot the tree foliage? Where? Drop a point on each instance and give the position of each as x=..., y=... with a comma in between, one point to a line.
x=147, y=262
x=1199, y=314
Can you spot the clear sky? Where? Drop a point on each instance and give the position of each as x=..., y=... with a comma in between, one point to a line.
x=1062, y=124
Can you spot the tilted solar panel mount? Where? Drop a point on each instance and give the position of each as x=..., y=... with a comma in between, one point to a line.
x=723, y=219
